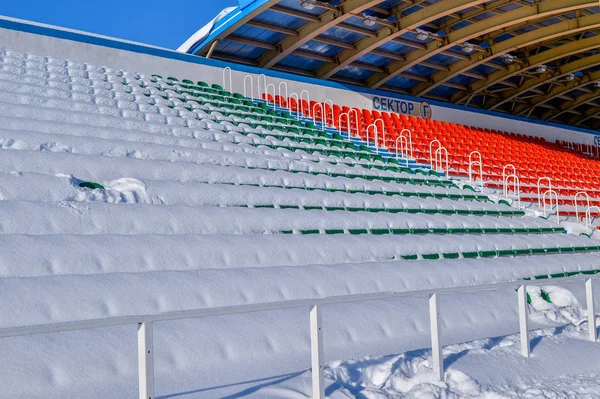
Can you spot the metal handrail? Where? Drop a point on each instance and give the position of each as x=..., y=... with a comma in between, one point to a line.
x=230, y=79
x=145, y=324
x=475, y=163
x=577, y=207
x=539, y=188
x=550, y=193
x=516, y=188
x=431, y=154
x=440, y=165
x=588, y=215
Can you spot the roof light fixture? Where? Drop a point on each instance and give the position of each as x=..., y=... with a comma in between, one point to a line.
x=422, y=35
x=468, y=48
x=369, y=20
x=541, y=69
x=508, y=58
x=308, y=4
x=571, y=77
x=598, y=83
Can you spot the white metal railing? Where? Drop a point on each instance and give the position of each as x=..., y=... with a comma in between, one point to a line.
x=270, y=85
x=349, y=120
x=588, y=216
x=302, y=101
x=280, y=92
x=550, y=194
x=146, y=323
x=539, y=188
x=251, y=87
x=505, y=177
x=516, y=188
x=262, y=89
x=439, y=161
x=577, y=207
x=314, y=114
x=330, y=103
x=374, y=126
x=225, y=87
x=297, y=104
x=475, y=163
x=340, y=123
x=404, y=147
x=431, y=152
x=410, y=143
x=382, y=123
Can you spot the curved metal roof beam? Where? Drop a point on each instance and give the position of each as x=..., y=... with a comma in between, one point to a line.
x=311, y=30
x=532, y=84
x=555, y=92
x=590, y=113
x=533, y=61
x=488, y=7
x=489, y=25
x=536, y=36
x=404, y=25
x=580, y=100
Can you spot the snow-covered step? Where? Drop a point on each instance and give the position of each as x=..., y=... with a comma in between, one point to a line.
x=82, y=119
x=104, y=218
x=149, y=293
x=54, y=188
x=95, y=254
x=102, y=168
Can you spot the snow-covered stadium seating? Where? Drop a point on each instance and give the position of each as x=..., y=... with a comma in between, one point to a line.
x=211, y=199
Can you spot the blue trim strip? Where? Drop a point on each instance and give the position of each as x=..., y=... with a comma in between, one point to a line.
x=169, y=54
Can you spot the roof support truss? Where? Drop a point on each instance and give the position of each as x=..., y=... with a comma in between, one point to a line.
x=311, y=30
x=533, y=61
x=402, y=26
x=535, y=36
x=486, y=26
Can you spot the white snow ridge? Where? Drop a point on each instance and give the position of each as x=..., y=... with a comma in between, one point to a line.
x=131, y=195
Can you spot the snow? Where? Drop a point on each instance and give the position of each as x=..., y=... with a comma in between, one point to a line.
x=181, y=224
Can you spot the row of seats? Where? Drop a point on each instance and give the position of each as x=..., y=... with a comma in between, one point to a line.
x=533, y=158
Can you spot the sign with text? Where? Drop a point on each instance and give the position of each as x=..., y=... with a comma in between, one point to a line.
x=398, y=106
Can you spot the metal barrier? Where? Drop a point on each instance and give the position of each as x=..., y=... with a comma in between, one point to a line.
x=404, y=142
x=251, y=87
x=145, y=324
x=505, y=177
x=439, y=165
x=577, y=207
x=539, y=188
x=225, y=87
x=551, y=193
x=330, y=103
x=475, y=163
x=516, y=188
x=314, y=114
x=588, y=216
x=280, y=92
x=302, y=101
x=374, y=126
x=262, y=89
x=431, y=152
x=349, y=120
x=289, y=100
x=270, y=85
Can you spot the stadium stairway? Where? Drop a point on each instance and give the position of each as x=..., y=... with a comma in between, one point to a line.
x=205, y=198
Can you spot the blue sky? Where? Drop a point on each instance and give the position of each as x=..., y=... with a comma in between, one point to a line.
x=160, y=23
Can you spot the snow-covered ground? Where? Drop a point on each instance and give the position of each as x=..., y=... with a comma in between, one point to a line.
x=197, y=213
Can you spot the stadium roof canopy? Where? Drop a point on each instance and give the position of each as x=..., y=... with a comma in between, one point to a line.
x=526, y=57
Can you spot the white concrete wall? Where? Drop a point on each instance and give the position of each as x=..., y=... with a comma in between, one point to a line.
x=149, y=64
